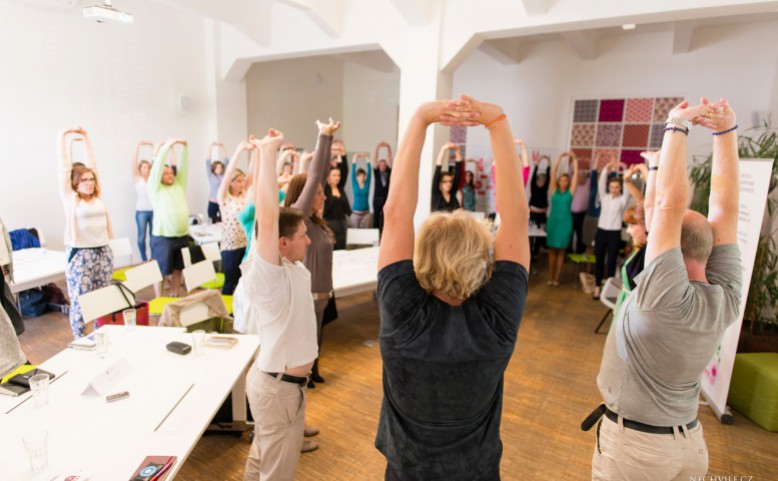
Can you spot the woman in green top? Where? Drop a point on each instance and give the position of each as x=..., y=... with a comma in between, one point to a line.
x=559, y=229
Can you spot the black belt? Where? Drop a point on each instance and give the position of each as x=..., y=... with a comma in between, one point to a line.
x=646, y=428
x=288, y=378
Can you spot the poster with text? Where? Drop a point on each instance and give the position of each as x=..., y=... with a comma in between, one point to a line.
x=755, y=177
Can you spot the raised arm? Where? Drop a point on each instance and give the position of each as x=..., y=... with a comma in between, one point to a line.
x=89, y=152
x=525, y=160
x=602, y=183
x=377, y=157
x=649, y=170
x=343, y=166
x=64, y=163
x=305, y=162
x=631, y=188
x=724, y=198
x=442, y=154
x=286, y=156
x=253, y=165
x=321, y=162
x=224, y=186
x=555, y=172
x=438, y=167
x=135, y=155
x=458, y=168
x=574, y=180
x=389, y=158
x=398, y=236
x=512, y=240
x=672, y=186
x=182, y=168
x=266, y=197
x=209, y=159
x=155, y=176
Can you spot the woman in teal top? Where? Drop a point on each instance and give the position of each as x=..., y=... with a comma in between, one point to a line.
x=360, y=186
x=468, y=192
x=559, y=228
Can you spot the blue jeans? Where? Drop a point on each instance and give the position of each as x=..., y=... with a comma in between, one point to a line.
x=143, y=219
x=231, y=267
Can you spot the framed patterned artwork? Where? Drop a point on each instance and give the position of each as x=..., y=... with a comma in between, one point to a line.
x=620, y=127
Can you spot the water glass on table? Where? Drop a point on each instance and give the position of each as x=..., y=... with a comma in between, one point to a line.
x=198, y=342
x=129, y=319
x=101, y=340
x=39, y=385
x=36, y=444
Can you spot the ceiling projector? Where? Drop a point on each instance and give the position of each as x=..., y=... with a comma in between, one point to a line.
x=106, y=13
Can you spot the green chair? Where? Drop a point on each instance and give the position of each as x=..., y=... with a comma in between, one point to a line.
x=754, y=388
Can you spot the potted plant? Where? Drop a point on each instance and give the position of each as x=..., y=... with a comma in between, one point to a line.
x=760, y=324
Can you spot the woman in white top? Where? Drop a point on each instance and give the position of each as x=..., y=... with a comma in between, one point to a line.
x=232, y=200
x=144, y=212
x=87, y=227
x=613, y=203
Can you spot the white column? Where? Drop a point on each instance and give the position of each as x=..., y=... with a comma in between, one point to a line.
x=421, y=81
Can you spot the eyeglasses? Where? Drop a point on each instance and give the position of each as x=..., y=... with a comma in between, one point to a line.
x=86, y=180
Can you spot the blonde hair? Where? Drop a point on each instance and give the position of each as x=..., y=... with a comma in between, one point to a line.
x=452, y=254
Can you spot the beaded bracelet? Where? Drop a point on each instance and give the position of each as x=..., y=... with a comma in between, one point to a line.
x=677, y=129
x=725, y=131
x=679, y=122
x=653, y=167
x=496, y=119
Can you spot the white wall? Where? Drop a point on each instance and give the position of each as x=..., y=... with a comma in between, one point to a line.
x=733, y=61
x=370, y=105
x=119, y=82
x=289, y=95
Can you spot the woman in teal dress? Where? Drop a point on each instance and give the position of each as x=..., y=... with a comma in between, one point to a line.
x=559, y=229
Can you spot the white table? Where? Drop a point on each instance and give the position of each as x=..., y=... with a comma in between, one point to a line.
x=172, y=399
x=535, y=231
x=354, y=271
x=36, y=267
x=206, y=233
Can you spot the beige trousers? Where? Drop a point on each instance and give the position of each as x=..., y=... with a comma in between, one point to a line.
x=278, y=409
x=623, y=453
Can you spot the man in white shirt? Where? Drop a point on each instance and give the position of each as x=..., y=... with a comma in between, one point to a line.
x=279, y=288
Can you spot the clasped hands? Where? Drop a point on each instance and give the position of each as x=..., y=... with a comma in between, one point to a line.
x=464, y=111
x=716, y=116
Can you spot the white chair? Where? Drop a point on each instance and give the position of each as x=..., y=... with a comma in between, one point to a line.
x=609, y=296
x=362, y=237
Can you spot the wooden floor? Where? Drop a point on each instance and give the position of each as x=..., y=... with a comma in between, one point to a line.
x=549, y=389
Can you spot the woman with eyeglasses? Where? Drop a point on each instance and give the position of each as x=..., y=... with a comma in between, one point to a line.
x=87, y=226
x=446, y=184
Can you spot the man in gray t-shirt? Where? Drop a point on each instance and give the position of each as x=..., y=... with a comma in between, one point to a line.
x=670, y=326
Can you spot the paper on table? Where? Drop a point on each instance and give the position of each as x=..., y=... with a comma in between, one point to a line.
x=101, y=384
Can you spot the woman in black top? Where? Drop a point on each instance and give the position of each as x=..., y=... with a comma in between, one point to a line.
x=382, y=175
x=446, y=184
x=538, y=201
x=336, y=207
x=449, y=312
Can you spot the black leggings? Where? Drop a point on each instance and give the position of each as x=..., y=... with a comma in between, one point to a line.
x=605, y=241
x=539, y=218
x=578, y=224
